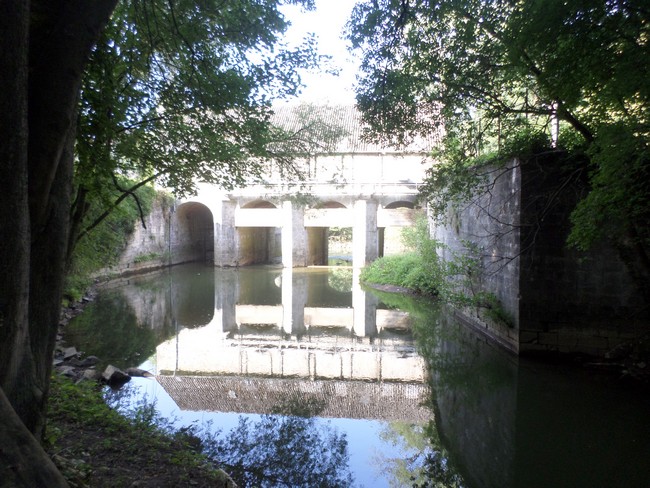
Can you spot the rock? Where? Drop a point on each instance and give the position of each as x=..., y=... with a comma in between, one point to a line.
x=70, y=352
x=68, y=371
x=84, y=363
x=91, y=374
x=138, y=372
x=115, y=377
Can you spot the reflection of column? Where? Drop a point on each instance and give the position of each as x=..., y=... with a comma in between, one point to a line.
x=299, y=300
x=364, y=233
x=365, y=308
x=226, y=289
x=293, y=303
x=287, y=299
x=225, y=236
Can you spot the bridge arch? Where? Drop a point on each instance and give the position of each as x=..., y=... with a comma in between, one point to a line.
x=192, y=238
x=328, y=223
x=392, y=217
x=259, y=243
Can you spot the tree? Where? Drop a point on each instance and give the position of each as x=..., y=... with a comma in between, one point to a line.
x=44, y=49
x=500, y=76
x=178, y=92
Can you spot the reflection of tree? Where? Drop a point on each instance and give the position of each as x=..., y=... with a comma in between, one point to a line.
x=340, y=279
x=109, y=329
x=424, y=462
x=285, y=450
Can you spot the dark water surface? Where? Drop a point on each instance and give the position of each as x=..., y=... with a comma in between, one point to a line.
x=305, y=378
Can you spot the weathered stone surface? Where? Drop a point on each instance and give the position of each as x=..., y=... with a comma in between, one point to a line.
x=579, y=303
x=115, y=376
x=138, y=372
x=70, y=352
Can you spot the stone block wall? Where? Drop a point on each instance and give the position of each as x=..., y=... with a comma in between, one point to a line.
x=488, y=230
x=147, y=248
x=571, y=301
x=557, y=299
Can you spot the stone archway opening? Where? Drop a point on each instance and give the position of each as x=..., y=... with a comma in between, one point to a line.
x=192, y=237
x=390, y=236
x=259, y=244
x=332, y=244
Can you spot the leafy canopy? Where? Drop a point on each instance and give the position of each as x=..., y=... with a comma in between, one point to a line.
x=507, y=76
x=179, y=91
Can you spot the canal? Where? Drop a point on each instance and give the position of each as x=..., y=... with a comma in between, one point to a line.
x=299, y=377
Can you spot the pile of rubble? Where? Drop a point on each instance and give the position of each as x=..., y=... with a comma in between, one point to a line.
x=72, y=363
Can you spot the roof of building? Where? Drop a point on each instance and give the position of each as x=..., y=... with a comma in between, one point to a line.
x=341, y=128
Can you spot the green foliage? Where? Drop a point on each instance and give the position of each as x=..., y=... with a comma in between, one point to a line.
x=620, y=191
x=181, y=92
x=342, y=234
x=103, y=246
x=420, y=270
x=150, y=256
x=456, y=281
x=168, y=74
x=401, y=270
x=502, y=78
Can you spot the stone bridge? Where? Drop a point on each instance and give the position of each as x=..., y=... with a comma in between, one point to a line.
x=369, y=188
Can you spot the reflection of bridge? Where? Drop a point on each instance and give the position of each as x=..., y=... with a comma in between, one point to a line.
x=354, y=184
x=338, y=399
x=292, y=340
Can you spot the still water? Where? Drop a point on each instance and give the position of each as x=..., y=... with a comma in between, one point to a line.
x=301, y=376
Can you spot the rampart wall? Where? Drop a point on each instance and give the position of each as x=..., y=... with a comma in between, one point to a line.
x=556, y=299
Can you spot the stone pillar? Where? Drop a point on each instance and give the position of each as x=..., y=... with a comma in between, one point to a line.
x=226, y=243
x=294, y=236
x=365, y=235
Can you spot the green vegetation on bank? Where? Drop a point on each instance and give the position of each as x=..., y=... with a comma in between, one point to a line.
x=422, y=271
x=95, y=446
x=103, y=246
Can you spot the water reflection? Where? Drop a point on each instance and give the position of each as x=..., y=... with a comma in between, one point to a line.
x=289, y=448
x=241, y=343
x=266, y=339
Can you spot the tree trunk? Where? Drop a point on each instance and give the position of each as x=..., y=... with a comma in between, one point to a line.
x=23, y=462
x=44, y=47
x=61, y=36
x=16, y=361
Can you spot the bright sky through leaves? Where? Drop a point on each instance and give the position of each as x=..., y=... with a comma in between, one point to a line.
x=327, y=22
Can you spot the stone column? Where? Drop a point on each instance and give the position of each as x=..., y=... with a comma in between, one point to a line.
x=294, y=236
x=365, y=235
x=225, y=236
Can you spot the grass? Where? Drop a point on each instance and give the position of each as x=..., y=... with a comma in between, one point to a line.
x=405, y=271
x=95, y=446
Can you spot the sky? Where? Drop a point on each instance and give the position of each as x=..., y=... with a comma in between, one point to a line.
x=327, y=21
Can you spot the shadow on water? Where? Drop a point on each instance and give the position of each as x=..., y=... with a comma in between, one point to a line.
x=503, y=421
x=309, y=358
